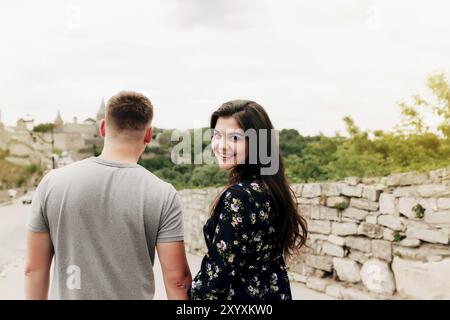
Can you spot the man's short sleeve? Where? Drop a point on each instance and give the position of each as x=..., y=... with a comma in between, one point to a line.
x=37, y=221
x=171, y=223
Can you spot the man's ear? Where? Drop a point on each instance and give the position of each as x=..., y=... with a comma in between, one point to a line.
x=148, y=135
x=102, y=128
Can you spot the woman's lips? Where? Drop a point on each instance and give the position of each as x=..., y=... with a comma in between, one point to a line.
x=225, y=157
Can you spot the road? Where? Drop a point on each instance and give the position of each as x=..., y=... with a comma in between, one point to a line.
x=12, y=253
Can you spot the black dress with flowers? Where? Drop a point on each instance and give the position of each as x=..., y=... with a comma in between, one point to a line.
x=243, y=261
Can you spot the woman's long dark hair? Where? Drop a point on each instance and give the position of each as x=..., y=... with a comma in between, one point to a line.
x=290, y=226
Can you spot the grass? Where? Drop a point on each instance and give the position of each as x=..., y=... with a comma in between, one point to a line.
x=13, y=176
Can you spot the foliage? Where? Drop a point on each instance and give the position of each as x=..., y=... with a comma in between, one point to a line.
x=419, y=211
x=44, y=127
x=412, y=145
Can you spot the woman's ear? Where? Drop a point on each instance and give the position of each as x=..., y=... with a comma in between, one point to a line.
x=148, y=135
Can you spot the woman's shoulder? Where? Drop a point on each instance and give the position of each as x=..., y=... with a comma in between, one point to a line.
x=249, y=192
x=247, y=187
x=246, y=202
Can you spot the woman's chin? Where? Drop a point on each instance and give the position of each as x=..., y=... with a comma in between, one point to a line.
x=225, y=166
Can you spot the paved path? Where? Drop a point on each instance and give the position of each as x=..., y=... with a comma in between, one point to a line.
x=12, y=251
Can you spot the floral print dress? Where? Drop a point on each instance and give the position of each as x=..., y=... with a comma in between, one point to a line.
x=242, y=262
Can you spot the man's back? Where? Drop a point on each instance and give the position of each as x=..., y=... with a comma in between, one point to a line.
x=105, y=219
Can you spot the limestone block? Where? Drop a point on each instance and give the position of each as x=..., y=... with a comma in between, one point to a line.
x=378, y=277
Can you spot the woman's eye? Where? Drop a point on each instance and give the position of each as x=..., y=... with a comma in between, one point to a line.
x=235, y=138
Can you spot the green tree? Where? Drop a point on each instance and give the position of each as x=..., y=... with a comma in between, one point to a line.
x=44, y=127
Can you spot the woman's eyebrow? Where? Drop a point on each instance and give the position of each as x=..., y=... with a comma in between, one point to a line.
x=230, y=131
x=234, y=131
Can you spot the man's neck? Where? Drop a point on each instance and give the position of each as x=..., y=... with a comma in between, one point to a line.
x=121, y=154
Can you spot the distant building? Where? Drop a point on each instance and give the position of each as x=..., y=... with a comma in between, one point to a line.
x=4, y=135
x=25, y=146
x=90, y=121
x=101, y=113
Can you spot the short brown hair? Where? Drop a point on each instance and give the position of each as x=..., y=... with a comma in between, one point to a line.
x=129, y=111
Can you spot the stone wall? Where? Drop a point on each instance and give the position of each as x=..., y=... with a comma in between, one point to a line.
x=376, y=238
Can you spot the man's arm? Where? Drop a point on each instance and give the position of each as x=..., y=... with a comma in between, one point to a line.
x=175, y=269
x=37, y=268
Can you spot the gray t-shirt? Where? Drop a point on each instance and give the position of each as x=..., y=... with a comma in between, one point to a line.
x=104, y=219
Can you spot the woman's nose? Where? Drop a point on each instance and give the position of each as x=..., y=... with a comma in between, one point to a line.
x=222, y=145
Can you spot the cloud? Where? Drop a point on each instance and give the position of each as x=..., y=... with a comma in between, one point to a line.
x=216, y=14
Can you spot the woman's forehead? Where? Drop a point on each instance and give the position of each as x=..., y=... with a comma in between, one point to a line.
x=228, y=124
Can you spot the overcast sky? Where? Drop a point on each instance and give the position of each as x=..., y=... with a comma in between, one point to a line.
x=309, y=63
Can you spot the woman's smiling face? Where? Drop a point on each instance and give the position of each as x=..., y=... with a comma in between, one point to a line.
x=229, y=143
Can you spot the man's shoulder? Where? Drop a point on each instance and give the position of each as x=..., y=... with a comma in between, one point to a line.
x=155, y=180
x=80, y=168
x=66, y=170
